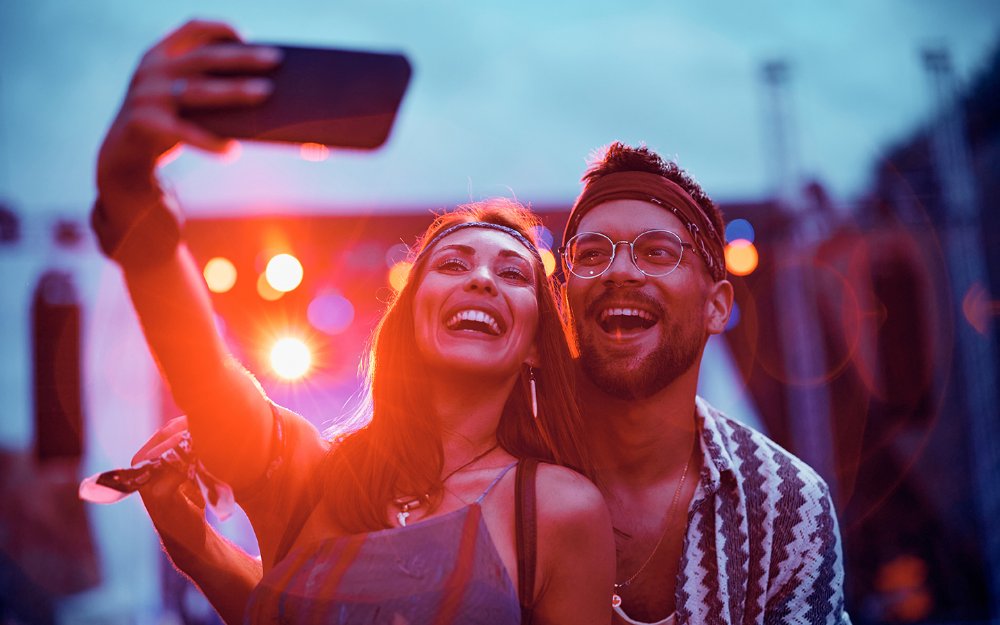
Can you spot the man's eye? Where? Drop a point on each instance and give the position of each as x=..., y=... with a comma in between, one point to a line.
x=591, y=256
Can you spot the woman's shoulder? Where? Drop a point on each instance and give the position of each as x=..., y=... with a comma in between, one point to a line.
x=564, y=497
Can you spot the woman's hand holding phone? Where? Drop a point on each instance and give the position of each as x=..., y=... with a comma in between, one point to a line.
x=182, y=70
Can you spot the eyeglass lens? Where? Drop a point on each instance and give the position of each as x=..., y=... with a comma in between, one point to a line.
x=655, y=253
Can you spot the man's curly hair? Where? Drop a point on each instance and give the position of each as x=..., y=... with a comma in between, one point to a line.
x=618, y=157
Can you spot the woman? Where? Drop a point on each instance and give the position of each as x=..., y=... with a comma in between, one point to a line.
x=411, y=519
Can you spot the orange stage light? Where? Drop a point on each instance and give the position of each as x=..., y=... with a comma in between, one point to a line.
x=741, y=257
x=220, y=274
x=284, y=272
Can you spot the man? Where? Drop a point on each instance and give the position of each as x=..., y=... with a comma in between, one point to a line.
x=714, y=522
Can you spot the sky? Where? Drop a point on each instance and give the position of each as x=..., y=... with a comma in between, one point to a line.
x=507, y=98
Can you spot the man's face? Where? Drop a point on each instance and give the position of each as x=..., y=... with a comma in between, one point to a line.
x=636, y=334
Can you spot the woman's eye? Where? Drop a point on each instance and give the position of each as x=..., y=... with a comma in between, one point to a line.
x=452, y=264
x=513, y=273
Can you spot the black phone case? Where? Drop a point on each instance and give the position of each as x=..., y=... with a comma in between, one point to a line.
x=340, y=98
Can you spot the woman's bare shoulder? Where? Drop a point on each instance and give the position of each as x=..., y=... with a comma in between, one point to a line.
x=564, y=496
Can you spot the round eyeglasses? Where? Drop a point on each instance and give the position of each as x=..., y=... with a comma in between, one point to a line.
x=655, y=253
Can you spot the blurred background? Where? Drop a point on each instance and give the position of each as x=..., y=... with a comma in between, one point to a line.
x=854, y=148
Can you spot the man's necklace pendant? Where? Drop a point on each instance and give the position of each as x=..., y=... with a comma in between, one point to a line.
x=401, y=517
x=616, y=600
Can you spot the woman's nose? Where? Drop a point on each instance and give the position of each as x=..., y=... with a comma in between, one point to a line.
x=481, y=279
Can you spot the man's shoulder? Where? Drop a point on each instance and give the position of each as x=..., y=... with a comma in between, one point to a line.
x=752, y=455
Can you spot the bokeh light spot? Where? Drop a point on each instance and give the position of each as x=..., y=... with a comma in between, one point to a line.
x=290, y=358
x=330, y=312
x=398, y=275
x=284, y=272
x=740, y=229
x=220, y=274
x=548, y=261
x=265, y=290
x=741, y=257
x=544, y=236
x=734, y=317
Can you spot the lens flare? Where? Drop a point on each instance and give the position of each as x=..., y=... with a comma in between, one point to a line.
x=284, y=272
x=741, y=257
x=220, y=274
x=290, y=358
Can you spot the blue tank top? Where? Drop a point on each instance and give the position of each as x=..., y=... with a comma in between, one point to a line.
x=443, y=570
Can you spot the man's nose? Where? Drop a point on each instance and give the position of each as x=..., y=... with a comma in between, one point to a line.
x=623, y=269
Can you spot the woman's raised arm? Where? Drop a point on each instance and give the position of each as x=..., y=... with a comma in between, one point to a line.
x=136, y=224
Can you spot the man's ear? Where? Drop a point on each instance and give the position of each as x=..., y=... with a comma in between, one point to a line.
x=718, y=306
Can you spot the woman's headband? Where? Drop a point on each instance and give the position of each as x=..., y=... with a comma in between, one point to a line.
x=480, y=224
x=650, y=187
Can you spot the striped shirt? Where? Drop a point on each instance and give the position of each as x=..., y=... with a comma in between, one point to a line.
x=762, y=544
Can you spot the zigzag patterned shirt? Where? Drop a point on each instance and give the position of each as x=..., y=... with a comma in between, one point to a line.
x=762, y=544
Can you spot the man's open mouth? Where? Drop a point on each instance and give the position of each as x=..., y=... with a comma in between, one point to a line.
x=615, y=320
x=475, y=321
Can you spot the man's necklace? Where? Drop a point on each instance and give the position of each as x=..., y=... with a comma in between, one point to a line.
x=405, y=505
x=616, y=599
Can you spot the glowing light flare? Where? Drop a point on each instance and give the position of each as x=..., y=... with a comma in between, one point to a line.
x=548, y=261
x=314, y=152
x=265, y=290
x=741, y=257
x=399, y=274
x=220, y=274
x=330, y=312
x=290, y=358
x=284, y=272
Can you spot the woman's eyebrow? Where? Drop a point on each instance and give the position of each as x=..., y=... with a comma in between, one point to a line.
x=513, y=254
x=457, y=247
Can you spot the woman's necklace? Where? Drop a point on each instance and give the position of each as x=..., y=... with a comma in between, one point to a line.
x=405, y=505
x=616, y=599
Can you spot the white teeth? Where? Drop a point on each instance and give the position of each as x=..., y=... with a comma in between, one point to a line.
x=626, y=312
x=474, y=315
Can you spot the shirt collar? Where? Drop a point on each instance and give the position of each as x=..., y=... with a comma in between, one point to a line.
x=717, y=459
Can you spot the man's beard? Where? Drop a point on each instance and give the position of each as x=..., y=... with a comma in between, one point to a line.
x=631, y=378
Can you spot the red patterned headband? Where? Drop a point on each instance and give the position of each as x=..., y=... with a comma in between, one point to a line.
x=650, y=187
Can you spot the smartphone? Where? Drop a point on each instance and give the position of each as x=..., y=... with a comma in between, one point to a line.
x=339, y=98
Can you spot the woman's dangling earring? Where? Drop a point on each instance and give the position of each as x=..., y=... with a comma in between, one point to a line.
x=534, y=391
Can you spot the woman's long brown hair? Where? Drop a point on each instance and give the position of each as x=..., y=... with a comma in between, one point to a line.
x=399, y=452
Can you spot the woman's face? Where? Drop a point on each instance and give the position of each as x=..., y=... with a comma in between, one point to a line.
x=476, y=305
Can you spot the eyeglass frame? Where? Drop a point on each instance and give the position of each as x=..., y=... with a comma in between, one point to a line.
x=563, y=251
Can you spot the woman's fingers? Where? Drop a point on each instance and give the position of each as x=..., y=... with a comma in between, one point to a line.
x=195, y=33
x=220, y=92
x=226, y=58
